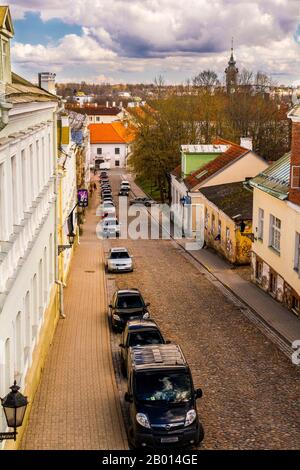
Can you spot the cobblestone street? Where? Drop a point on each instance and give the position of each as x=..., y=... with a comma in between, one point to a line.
x=250, y=389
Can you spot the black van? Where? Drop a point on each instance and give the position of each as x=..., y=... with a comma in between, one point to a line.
x=162, y=398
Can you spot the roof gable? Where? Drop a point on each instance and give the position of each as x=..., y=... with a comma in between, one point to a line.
x=233, y=153
x=6, y=24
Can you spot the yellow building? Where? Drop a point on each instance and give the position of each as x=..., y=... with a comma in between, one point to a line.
x=276, y=218
x=228, y=220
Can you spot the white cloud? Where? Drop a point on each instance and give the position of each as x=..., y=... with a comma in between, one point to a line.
x=145, y=36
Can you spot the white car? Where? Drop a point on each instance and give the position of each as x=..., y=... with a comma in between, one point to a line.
x=125, y=184
x=119, y=260
x=105, y=209
x=110, y=227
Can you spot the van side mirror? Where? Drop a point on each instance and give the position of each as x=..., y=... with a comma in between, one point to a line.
x=128, y=397
x=198, y=393
x=121, y=345
x=168, y=341
x=110, y=306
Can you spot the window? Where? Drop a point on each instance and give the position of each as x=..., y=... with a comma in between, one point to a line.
x=7, y=382
x=18, y=358
x=28, y=326
x=91, y=118
x=260, y=231
x=117, y=162
x=117, y=151
x=24, y=180
x=41, y=299
x=275, y=227
x=295, y=183
x=99, y=151
x=14, y=188
x=97, y=118
x=297, y=253
x=38, y=169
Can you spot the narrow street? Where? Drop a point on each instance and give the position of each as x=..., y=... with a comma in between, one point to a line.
x=77, y=403
x=250, y=389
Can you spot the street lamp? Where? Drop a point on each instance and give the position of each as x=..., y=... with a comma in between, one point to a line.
x=14, y=406
x=71, y=236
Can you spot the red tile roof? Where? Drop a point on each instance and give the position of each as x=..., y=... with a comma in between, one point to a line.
x=113, y=133
x=234, y=152
x=93, y=110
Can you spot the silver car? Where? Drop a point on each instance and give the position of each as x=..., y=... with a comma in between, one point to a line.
x=119, y=260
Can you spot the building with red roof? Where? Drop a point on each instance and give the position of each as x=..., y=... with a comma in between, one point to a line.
x=220, y=163
x=110, y=144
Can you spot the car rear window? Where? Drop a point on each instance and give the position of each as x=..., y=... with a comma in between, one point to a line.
x=129, y=301
x=119, y=255
x=142, y=338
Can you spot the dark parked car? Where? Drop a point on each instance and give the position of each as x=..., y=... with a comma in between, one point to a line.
x=127, y=305
x=123, y=192
x=162, y=398
x=138, y=333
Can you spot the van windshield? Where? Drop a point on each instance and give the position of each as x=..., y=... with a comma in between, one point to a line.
x=170, y=387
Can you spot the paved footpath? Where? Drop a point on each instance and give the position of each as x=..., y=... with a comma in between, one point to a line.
x=77, y=404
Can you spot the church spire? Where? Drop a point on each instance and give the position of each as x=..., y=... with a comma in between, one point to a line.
x=231, y=72
x=231, y=60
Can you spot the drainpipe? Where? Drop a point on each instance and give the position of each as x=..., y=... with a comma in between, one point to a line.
x=57, y=174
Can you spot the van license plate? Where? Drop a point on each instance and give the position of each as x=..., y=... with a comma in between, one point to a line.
x=169, y=439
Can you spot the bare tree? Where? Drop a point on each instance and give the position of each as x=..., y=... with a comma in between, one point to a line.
x=207, y=79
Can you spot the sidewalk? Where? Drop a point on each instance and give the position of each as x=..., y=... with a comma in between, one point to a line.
x=277, y=316
x=284, y=322
x=77, y=405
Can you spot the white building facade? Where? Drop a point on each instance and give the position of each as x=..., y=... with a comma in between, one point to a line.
x=27, y=229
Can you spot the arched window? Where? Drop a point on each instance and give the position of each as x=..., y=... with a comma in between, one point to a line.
x=51, y=260
x=41, y=298
x=7, y=365
x=18, y=353
x=45, y=262
x=34, y=306
x=27, y=326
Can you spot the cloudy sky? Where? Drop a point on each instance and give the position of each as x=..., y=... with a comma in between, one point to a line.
x=137, y=40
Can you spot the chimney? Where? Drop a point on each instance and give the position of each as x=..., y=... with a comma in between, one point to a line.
x=47, y=82
x=246, y=142
x=114, y=104
x=107, y=104
x=294, y=190
x=121, y=104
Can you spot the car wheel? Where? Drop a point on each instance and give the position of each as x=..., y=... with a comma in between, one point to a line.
x=130, y=439
x=201, y=435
